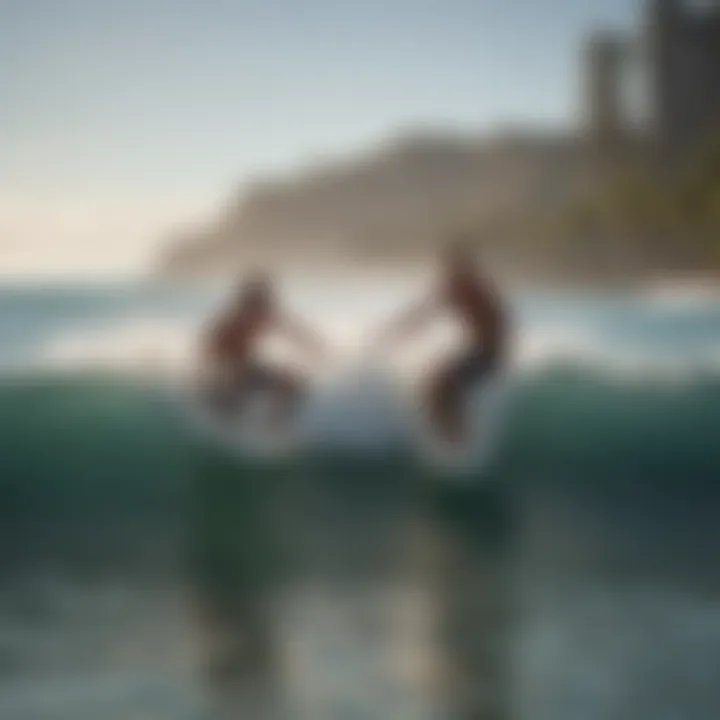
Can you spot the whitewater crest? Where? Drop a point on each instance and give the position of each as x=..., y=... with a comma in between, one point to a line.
x=159, y=348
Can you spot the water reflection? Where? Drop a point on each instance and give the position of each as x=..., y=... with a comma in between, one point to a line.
x=351, y=590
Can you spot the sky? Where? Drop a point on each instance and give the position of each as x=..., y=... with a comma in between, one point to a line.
x=122, y=120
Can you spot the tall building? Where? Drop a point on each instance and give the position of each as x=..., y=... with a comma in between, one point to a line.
x=683, y=42
x=605, y=118
x=679, y=88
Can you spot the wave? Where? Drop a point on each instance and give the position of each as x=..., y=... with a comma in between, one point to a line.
x=102, y=467
x=90, y=429
x=99, y=431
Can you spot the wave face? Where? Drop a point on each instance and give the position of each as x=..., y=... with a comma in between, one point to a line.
x=603, y=391
x=75, y=443
x=625, y=387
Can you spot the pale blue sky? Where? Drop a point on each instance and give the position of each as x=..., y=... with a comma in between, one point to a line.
x=166, y=103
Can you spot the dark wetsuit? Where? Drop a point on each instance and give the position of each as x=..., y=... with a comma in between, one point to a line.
x=480, y=311
x=231, y=345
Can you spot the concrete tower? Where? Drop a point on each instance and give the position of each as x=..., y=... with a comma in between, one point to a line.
x=663, y=31
x=683, y=41
x=605, y=122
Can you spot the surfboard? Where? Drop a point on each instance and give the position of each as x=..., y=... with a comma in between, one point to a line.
x=368, y=412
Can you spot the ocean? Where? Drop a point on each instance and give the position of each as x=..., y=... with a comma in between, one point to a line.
x=149, y=573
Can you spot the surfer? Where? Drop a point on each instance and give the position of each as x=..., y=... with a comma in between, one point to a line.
x=467, y=293
x=230, y=358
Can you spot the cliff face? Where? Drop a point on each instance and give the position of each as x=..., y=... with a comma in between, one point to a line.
x=394, y=203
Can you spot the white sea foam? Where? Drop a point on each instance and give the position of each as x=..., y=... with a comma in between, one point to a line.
x=165, y=348
x=683, y=296
x=588, y=349
x=598, y=336
x=134, y=345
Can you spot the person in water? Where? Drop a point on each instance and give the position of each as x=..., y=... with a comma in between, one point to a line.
x=465, y=291
x=230, y=351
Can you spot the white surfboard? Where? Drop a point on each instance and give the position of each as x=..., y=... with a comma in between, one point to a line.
x=367, y=411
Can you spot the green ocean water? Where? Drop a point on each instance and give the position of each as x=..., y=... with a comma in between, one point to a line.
x=125, y=535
